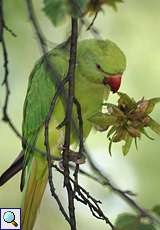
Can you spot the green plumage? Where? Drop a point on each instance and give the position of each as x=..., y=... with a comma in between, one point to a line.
x=89, y=90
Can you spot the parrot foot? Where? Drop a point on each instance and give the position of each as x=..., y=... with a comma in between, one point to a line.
x=76, y=157
x=73, y=156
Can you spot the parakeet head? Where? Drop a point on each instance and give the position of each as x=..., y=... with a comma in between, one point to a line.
x=102, y=61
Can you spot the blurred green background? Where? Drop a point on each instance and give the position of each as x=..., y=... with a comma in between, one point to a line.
x=135, y=28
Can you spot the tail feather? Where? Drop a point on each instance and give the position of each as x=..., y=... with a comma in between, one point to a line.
x=33, y=193
x=15, y=167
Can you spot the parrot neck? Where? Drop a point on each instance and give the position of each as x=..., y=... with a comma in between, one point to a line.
x=90, y=96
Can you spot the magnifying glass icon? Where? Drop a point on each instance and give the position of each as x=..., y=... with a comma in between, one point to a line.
x=9, y=218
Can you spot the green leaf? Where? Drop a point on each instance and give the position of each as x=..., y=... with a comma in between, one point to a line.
x=136, y=144
x=103, y=120
x=126, y=147
x=57, y=10
x=146, y=134
x=156, y=210
x=152, y=103
x=128, y=221
x=125, y=100
x=114, y=110
x=110, y=145
x=111, y=131
x=96, y=5
x=154, y=126
x=113, y=3
x=77, y=7
x=146, y=227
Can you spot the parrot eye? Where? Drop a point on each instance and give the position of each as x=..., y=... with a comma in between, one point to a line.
x=98, y=66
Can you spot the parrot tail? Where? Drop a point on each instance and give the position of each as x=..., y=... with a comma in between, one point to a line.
x=33, y=192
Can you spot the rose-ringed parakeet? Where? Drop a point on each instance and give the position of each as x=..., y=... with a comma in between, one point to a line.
x=99, y=68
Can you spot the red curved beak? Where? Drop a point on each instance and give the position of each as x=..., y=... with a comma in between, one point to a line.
x=114, y=81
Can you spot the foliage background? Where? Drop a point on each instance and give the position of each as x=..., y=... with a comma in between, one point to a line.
x=135, y=29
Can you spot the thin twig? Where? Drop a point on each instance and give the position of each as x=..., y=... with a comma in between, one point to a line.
x=81, y=144
x=6, y=118
x=125, y=195
x=79, y=114
x=9, y=30
x=89, y=26
x=93, y=20
x=85, y=198
x=1, y=20
x=49, y=157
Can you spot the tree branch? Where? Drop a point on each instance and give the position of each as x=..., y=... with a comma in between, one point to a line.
x=89, y=26
x=93, y=20
x=49, y=157
x=85, y=198
x=68, y=118
x=5, y=82
x=125, y=195
x=81, y=144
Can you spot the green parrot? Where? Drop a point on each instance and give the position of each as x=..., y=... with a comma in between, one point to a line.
x=99, y=68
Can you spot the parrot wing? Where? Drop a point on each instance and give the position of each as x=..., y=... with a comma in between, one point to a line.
x=41, y=89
